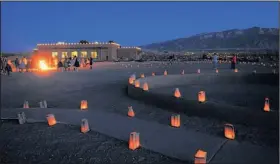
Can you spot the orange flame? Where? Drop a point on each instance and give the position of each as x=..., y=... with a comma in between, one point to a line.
x=84, y=105
x=43, y=65
x=136, y=84
x=200, y=157
x=201, y=96
x=134, y=140
x=177, y=93
x=51, y=119
x=145, y=86
x=266, y=105
x=84, y=126
x=130, y=112
x=175, y=121
x=229, y=131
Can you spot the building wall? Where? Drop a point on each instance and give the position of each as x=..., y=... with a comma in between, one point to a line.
x=105, y=51
x=114, y=54
x=129, y=53
x=103, y=54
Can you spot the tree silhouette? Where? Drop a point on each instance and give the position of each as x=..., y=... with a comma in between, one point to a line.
x=83, y=42
x=111, y=41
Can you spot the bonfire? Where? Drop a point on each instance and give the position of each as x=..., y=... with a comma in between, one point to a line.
x=43, y=65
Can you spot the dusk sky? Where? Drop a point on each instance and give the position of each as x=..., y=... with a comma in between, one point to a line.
x=24, y=24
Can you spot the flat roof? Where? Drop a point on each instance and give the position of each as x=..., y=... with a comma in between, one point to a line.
x=90, y=43
x=62, y=44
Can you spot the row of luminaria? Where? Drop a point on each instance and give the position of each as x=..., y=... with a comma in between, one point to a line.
x=201, y=94
x=201, y=156
x=134, y=137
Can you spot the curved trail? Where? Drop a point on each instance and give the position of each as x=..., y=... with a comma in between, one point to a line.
x=103, y=88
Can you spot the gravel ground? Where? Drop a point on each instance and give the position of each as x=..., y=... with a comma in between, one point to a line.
x=104, y=88
x=253, y=135
x=38, y=143
x=249, y=96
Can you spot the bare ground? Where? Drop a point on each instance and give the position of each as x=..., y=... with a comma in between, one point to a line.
x=39, y=143
x=104, y=90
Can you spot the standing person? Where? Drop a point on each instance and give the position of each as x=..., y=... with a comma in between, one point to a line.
x=8, y=69
x=233, y=62
x=28, y=65
x=25, y=60
x=215, y=61
x=17, y=64
x=3, y=65
x=60, y=66
x=76, y=64
x=72, y=61
x=204, y=57
x=82, y=62
x=65, y=64
x=32, y=65
x=69, y=63
x=25, y=63
x=86, y=62
x=90, y=62
x=21, y=65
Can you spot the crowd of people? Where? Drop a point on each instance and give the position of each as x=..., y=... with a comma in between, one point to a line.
x=215, y=60
x=5, y=66
x=23, y=64
x=26, y=65
x=18, y=65
x=73, y=64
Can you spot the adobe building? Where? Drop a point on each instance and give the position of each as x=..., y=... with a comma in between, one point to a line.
x=98, y=51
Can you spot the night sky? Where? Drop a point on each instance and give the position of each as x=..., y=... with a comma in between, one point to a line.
x=24, y=24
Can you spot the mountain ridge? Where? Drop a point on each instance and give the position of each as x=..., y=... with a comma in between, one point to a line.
x=250, y=38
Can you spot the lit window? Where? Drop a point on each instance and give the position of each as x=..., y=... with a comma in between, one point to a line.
x=74, y=53
x=83, y=54
x=64, y=55
x=54, y=54
x=94, y=54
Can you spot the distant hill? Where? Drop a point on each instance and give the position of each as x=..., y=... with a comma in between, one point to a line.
x=251, y=38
